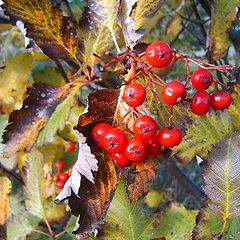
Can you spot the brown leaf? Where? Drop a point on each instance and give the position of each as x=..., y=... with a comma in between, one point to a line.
x=139, y=177
x=55, y=34
x=94, y=199
x=25, y=124
x=101, y=108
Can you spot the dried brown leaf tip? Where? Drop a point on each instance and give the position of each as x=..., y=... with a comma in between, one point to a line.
x=55, y=34
x=139, y=177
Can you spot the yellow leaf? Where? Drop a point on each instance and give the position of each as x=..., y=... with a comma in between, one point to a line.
x=5, y=188
x=14, y=81
x=54, y=33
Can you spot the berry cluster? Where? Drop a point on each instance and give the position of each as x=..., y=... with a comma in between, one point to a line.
x=62, y=177
x=123, y=151
x=148, y=138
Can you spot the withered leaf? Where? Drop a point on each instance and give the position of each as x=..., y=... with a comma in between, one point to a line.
x=94, y=199
x=55, y=34
x=139, y=177
x=25, y=124
x=6, y=186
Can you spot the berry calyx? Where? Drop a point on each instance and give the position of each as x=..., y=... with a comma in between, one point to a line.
x=136, y=150
x=221, y=100
x=99, y=132
x=70, y=147
x=59, y=165
x=145, y=127
x=120, y=159
x=159, y=54
x=134, y=94
x=169, y=137
x=174, y=92
x=202, y=79
x=115, y=140
x=62, y=177
x=200, y=103
x=153, y=148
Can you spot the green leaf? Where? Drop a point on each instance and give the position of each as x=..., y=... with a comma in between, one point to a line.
x=49, y=75
x=14, y=81
x=223, y=15
x=145, y=11
x=130, y=219
x=58, y=119
x=221, y=175
x=203, y=134
x=34, y=185
x=97, y=42
x=210, y=224
x=3, y=124
x=20, y=222
x=176, y=222
x=127, y=23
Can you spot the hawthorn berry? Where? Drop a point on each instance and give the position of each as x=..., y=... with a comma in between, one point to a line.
x=200, y=103
x=174, y=92
x=169, y=137
x=115, y=140
x=145, y=127
x=202, y=79
x=98, y=133
x=159, y=54
x=70, y=147
x=153, y=147
x=60, y=184
x=134, y=94
x=62, y=177
x=136, y=150
x=59, y=165
x=120, y=159
x=220, y=100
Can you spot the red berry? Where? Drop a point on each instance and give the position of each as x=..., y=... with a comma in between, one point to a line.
x=145, y=127
x=200, y=103
x=70, y=147
x=134, y=94
x=120, y=159
x=153, y=148
x=99, y=132
x=169, y=137
x=159, y=54
x=174, y=92
x=60, y=184
x=59, y=165
x=62, y=177
x=115, y=140
x=220, y=100
x=202, y=79
x=136, y=150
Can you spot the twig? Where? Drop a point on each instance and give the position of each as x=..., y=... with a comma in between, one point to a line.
x=11, y=172
x=172, y=167
x=63, y=224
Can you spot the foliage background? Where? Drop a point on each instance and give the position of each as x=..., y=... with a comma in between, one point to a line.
x=202, y=29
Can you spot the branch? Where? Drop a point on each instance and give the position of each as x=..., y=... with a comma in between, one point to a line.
x=188, y=183
x=63, y=224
